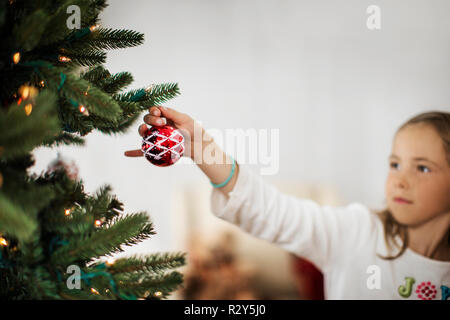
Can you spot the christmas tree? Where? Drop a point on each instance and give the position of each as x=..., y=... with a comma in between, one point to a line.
x=56, y=240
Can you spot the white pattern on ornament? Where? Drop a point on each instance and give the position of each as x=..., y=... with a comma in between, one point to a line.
x=158, y=144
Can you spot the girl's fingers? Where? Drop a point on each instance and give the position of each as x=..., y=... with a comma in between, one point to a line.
x=133, y=153
x=154, y=120
x=142, y=129
x=169, y=113
x=154, y=111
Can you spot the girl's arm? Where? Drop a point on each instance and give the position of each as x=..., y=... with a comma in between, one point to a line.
x=216, y=172
x=318, y=233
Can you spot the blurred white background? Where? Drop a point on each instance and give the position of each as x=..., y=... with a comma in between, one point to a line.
x=336, y=90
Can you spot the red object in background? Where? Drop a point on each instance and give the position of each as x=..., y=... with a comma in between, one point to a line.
x=162, y=146
x=310, y=279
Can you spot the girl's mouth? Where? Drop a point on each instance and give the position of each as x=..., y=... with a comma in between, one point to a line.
x=402, y=200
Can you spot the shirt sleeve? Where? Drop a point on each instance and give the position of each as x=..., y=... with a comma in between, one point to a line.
x=318, y=233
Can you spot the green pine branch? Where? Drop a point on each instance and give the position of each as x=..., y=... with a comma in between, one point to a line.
x=20, y=133
x=107, y=39
x=108, y=127
x=149, y=285
x=14, y=220
x=95, y=74
x=126, y=124
x=158, y=94
x=116, y=82
x=64, y=138
x=151, y=263
x=56, y=27
x=90, y=17
x=128, y=230
x=130, y=107
x=84, y=57
x=104, y=205
x=74, y=89
x=29, y=31
x=162, y=93
x=42, y=238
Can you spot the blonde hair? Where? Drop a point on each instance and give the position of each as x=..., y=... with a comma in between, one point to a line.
x=440, y=121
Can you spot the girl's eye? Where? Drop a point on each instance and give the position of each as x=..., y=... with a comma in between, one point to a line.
x=393, y=165
x=421, y=168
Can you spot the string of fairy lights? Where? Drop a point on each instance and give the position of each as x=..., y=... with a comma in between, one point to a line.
x=99, y=270
x=27, y=93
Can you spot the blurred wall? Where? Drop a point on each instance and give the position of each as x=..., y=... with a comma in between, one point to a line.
x=335, y=90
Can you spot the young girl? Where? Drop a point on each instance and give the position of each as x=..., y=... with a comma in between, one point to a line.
x=402, y=252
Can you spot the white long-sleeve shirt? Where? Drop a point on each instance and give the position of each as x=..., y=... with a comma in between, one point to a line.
x=342, y=242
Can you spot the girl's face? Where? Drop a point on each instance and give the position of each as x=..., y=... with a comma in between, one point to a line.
x=419, y=172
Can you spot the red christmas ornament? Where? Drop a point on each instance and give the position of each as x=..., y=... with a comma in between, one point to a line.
x=163, y=146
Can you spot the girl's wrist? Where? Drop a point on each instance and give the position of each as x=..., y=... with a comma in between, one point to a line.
x=219, y=168
x=201, y=139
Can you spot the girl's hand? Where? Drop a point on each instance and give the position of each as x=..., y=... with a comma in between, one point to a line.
x=194, y=135
x=160, y=116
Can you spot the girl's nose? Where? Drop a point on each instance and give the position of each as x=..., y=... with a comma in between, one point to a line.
x=402, y=182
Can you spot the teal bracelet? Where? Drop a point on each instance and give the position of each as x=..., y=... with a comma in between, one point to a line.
x=220, y=185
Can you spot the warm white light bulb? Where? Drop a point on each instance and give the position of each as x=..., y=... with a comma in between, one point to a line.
x=16, y=57
x=64, y=59
x=28, y=109
x=93, y=290
x=3, y=242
